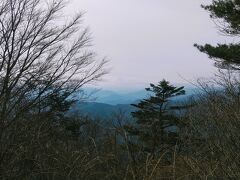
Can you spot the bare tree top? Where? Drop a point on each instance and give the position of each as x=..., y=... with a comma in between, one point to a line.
x=39, y=50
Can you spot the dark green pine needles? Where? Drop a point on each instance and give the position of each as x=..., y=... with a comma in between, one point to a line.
x=155, y=118
x=226, y=15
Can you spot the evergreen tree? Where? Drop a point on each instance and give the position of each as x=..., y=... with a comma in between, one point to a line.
x=155, y=117
x=227, y=16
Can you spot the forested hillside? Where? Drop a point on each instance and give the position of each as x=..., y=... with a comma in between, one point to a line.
x=49, y=130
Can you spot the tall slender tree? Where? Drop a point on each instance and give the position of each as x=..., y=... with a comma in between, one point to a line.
x=44, y=60
x=155, y=118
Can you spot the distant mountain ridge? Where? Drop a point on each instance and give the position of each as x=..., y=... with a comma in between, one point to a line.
x=108, y=103
x=114, y=98
x=101, y=110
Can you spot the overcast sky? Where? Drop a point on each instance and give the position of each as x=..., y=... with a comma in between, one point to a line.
x=148, y=40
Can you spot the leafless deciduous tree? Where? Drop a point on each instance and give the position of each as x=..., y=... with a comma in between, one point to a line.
x=41, y=53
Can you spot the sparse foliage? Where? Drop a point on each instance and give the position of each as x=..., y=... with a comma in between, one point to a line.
x=226, y=14
x=41, y=55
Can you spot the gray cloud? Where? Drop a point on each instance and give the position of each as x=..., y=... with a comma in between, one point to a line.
x=147, y=40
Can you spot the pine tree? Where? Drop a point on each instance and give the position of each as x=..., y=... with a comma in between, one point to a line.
x=154, y=117
x=226, y=14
